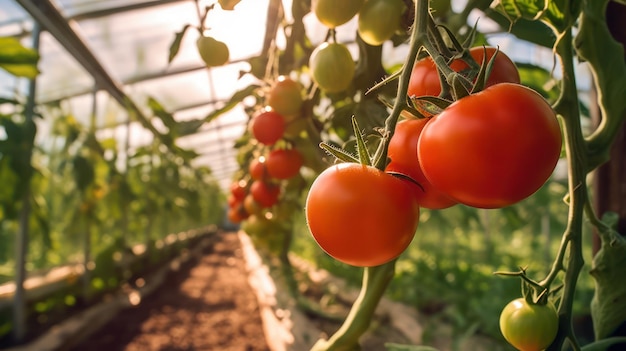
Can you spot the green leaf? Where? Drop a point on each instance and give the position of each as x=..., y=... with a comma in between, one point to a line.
x=159, y=111
x=552, y=12
x=17, y=59
x=602, y=345
x=535, y=32
x=338, y=153
x=361, y=147
x=175, y=47
x=399, y=347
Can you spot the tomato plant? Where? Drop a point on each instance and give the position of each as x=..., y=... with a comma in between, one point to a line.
x=493, y=148
x=213, y=52
x=529, y=327
x=403, y=154
x=332, y=67
x=379, y=20
x=333, y=13
x=360, y=215
x=283, y=163
x=425, y=77
x=285, y=96
x=265, y=193
x=268, y=127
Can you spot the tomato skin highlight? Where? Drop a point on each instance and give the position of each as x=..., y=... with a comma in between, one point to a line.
x=360, y=215
x=529, y=327
x=403, y=153
x=425, y=78
x=493, y=148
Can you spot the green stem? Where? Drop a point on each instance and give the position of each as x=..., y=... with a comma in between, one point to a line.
x=375, y=281
x=567, y=108
x=419, y=36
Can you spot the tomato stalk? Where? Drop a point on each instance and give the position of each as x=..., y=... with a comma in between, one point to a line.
x=567, y=107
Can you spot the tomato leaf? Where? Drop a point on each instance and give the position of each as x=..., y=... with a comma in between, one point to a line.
x=175, y=47
x=602, y=345
x=550, y=12
x=17, y=59
x=235, y=99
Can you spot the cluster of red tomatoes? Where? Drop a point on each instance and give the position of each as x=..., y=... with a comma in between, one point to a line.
x=272, y=163
x=489, y=149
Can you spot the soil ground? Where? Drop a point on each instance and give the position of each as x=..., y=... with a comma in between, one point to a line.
x=206, y=305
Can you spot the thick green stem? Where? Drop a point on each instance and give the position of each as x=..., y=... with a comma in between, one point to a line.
x=375, y=281
x=567, y=108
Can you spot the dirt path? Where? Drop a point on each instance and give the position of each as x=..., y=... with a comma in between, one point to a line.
x=207, y=305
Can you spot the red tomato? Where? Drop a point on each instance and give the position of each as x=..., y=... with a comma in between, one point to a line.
x=268, y=127
x=237, y=214
x=258, y=169
x=238, y=190
x=360, y=215
x=425, y=79
x=283, y=163
x=265, y=193
x=403, y=153
x=493, y=148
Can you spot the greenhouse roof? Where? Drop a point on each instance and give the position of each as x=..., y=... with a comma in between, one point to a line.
x=102, y=55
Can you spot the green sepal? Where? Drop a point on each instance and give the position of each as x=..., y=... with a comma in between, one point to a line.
x=340, y=154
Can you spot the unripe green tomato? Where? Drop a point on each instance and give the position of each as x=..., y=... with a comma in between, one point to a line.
x=333, y=13
x=332, y=67
x=379, y=20
x=529, y=327
x=213, y=52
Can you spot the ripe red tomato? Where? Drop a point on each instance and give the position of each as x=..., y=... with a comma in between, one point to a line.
x=238, y=190
x=237, y=214
x=403, y=153
x=258, y=169
x=285, y=96
x=360, y=215
x=283, y=163
x=265, y=193
x=493, y=148
x=529, y=327
x=425, y=79
x=268, y=127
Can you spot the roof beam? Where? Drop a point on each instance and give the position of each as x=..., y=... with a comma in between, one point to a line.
x=51, y=19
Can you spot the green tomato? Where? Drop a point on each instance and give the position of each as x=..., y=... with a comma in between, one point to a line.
x=379, y=20
x=213, y=52
x=529, y=327
x=332, y=67
x=332, y=13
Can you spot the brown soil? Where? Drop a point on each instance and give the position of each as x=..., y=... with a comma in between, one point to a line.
x=207, y=305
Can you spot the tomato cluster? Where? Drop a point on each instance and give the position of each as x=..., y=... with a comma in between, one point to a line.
x=274, y=158
x=490, y=149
